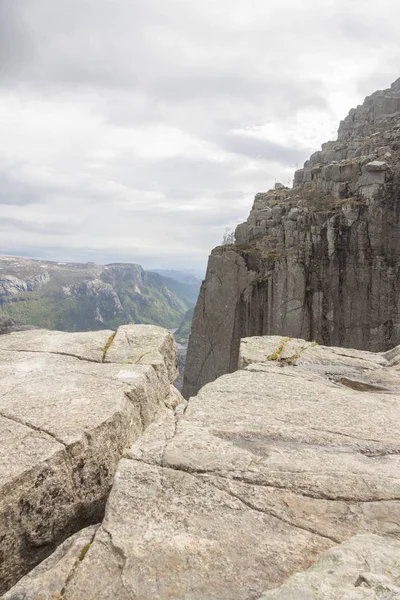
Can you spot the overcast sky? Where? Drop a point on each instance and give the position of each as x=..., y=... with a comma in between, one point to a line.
x=138, y=130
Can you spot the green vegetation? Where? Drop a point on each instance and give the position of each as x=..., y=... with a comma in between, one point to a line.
x=84, y=551
x=183, y=332
x=52, y=310
x=108, y=344
x=276, y=355
x=87, y=298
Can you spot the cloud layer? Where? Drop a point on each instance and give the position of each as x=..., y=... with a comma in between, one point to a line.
x=138, y=130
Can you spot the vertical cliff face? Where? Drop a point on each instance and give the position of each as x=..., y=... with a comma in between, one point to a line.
x=319, y=261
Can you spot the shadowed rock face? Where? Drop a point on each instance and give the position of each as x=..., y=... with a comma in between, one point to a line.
x=320, y=261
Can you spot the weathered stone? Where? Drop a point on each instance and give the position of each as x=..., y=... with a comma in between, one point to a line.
x=49, y=579
x=367, y=566
x=87, y=346
x=325, y=267
x=65, y=418
x=143, y=345
x=254, y=480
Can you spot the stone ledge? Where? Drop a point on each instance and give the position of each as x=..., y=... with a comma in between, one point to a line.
x=65, y=418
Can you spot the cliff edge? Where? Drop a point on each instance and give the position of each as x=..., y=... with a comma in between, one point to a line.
x=320, y=260
x=290, y=463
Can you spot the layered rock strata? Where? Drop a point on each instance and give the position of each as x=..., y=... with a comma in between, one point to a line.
x=69, y=405
x=320, y=261
x=255, y=479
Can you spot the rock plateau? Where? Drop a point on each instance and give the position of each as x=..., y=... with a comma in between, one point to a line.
x=291, y=462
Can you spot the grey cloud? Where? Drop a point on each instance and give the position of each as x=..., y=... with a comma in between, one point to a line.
x=263, y=148
x=199, y=69
x=16, y=44
x=14, y=191
x=51, y=227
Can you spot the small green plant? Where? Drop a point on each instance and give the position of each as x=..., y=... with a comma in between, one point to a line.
x=279, y=350
x=84, y=551
x=108, y=344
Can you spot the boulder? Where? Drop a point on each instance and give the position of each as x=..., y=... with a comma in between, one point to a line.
x=255, y=479
x=377, y=165
x=69, y=405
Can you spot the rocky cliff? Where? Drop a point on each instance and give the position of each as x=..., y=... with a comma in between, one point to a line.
x=82, y=297
x=320, y=260
x=69, y=405
x=291, y=462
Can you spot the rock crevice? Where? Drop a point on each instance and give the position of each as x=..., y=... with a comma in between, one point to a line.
x=64, y=425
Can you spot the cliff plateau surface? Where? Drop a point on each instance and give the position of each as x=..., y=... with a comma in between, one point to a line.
x=320, y=260
x=290, y=463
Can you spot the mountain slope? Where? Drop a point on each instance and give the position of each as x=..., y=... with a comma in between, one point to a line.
x=81, y=297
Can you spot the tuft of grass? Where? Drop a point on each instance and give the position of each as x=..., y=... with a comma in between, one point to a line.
x=299, y=352
x=108, y=344
x=279, y=350
x=84, y=551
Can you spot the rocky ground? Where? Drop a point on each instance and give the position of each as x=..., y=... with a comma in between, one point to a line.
x=264, y=473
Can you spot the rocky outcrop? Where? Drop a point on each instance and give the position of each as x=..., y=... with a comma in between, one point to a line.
x=69, y=405
x=320, y=261
x=255, y=479
x=8, y=325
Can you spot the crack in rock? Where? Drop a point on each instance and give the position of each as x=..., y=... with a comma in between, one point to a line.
x=272, y=513
x=245, y=480
x=34, y=428
x=91, y=360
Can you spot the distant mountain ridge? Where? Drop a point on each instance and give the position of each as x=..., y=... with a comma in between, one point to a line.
x=82, y=297
x=186, y=277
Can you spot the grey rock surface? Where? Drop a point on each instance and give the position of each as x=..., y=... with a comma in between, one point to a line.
x=254, y=479
x=318, y=261
x=69, y=405
x=365, y=567
x=48, y=580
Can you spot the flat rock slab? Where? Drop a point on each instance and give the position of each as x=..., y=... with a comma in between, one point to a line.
x=365, y=567
x=65, y=418
x=264, y=471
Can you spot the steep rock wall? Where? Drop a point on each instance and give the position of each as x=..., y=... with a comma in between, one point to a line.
x=320, y=261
